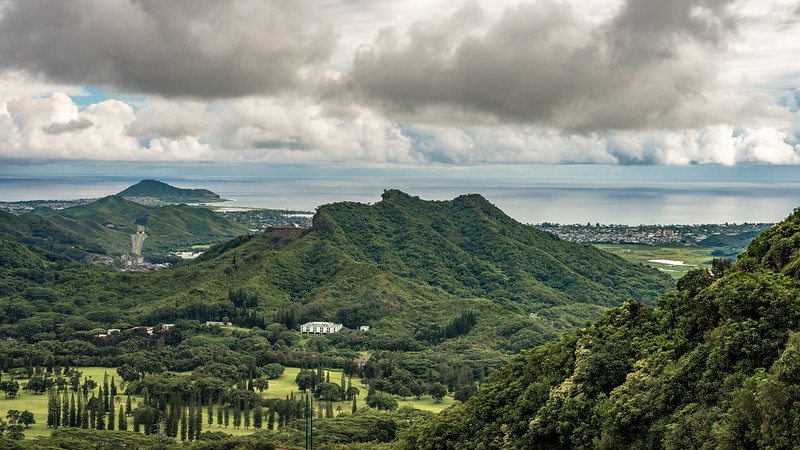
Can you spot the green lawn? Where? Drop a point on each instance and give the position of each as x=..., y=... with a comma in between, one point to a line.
x=37, y=403
x=692, y=256
x=285, y=385
x=278, y=388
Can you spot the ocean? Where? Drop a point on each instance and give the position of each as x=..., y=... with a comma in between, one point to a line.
x=566, y=194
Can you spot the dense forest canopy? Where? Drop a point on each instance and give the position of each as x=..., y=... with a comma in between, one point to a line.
x=714, y=365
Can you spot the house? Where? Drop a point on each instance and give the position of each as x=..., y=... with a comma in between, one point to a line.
x=218, y=324
x=148, y=330
x=320, y=327
x=363, y=328
x=166, y=326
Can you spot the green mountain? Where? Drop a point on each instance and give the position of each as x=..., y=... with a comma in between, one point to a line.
x=450, y=290
x=419, y=273
x=40, y=232
x=169, y=194
x=715, y=365
x=109, y=222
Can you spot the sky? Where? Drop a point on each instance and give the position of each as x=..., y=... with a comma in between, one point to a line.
x=387, y=84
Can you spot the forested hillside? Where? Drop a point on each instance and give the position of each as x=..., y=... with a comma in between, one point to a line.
x=457, y=280
x=715, y=365
x=39, y=232
x=109, y=222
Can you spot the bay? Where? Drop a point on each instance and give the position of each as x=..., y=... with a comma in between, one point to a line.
x=630, y=195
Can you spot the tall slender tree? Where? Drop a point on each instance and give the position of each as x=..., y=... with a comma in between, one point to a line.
x=73, y=414
x=198, y=421
x=123, y=421
x=190, y=422
x=64, y=408
x=111, y=418
x=184, y=425
x=258, y=417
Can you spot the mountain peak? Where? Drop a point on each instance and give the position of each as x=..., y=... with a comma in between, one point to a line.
x=167, y=193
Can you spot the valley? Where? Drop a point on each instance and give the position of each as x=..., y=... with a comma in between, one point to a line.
x=437, y=300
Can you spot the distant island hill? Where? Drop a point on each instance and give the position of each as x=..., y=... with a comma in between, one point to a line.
x=159, y=191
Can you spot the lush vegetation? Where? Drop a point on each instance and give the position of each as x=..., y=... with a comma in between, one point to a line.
x=715, y=365
x=406, y=267
x=450, y=291
x=110, y=221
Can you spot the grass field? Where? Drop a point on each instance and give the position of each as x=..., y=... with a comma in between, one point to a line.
x=37, y=403
x=692, y=257
x=278, y=388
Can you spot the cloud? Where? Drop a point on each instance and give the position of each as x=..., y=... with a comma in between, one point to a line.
x=299, y=131
x=158, y=117
x=650, y=64
x=54, y=129
x=72, y=125
x=196, y=48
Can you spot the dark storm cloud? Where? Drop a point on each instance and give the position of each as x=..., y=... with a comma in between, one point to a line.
x=649, y=65
x=199, y=48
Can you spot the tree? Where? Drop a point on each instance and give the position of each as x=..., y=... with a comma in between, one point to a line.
x=352, y=391
x=10, y=388
x=261, y=384
x=272, y=370
x=36, y=385
x=128, y=373
x=13, y=429
x=331, y=392
x=437, y=391
x=26, y=418
x=305, y=380
x=719, y=266
x=417, y=388
x=384, y=430
x=258, y=417
x=382, y=402
x=271, y=419
x=694, y=281
x=464, y=393
x=123, y=422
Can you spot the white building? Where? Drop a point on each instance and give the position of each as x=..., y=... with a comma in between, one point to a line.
x=320, y=327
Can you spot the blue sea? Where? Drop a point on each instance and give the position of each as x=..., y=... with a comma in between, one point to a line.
x=564, y=194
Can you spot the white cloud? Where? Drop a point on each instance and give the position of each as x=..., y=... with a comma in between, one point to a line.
x=411, y=83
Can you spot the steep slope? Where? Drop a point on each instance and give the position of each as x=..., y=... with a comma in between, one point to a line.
x=714, y=366
x=166, y=193
x=111, y=220
x=468, y=247
x=43, y=233
x=408, y=267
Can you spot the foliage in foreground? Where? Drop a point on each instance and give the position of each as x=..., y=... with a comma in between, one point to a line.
x=716, y=365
